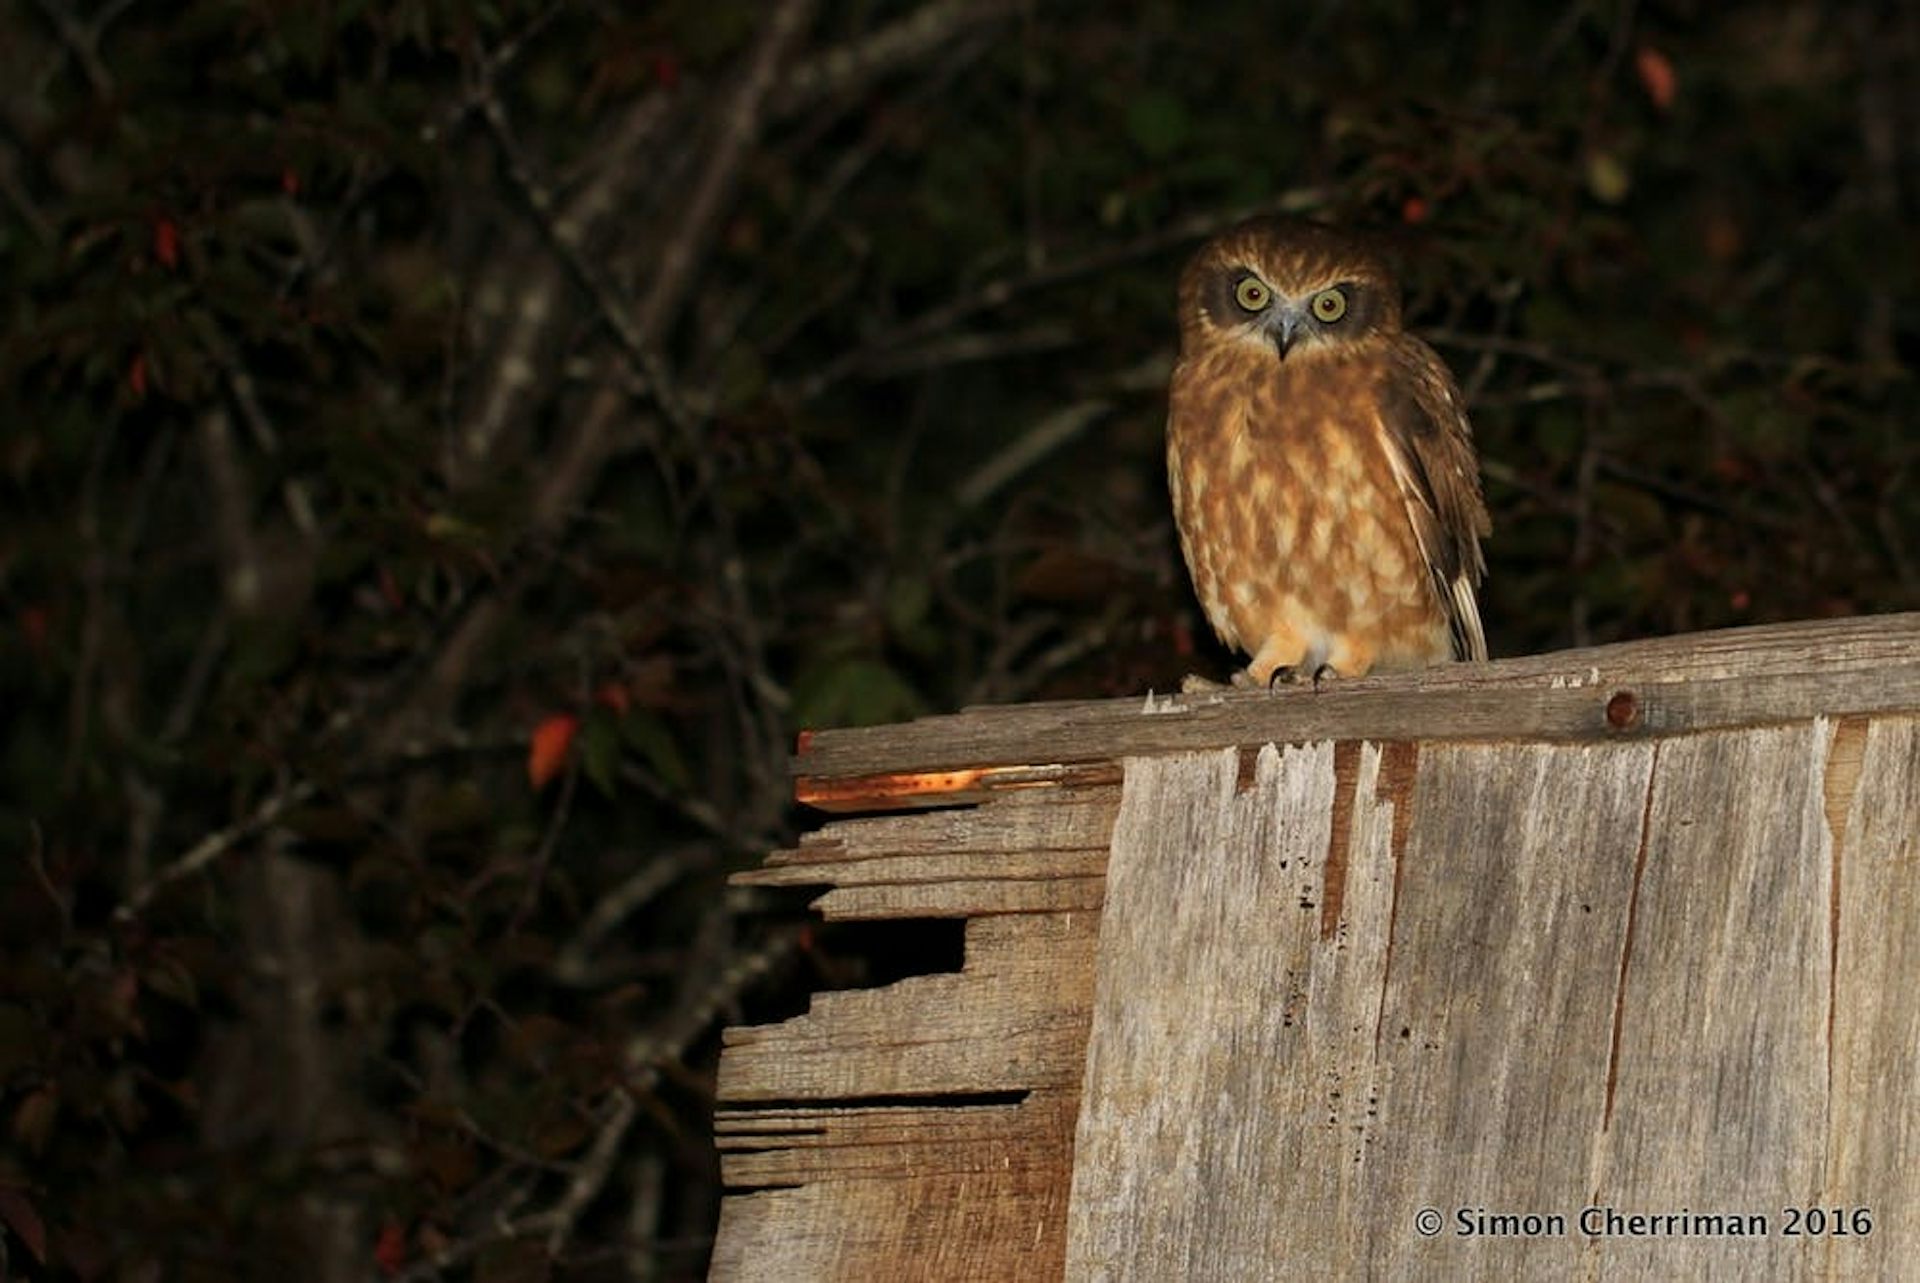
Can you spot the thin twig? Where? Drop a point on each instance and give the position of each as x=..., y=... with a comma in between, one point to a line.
x=564, y=239
x=643, y=1057
x=243, y=578
x=82, y=43
x=93, y=626
x=900, y=43
x=20, y=198
x=549, y=842
x=193, y=686
x=572, y=964
x=37, y=857
x=215, y=845
x=591, y=1176
x=728, y=978
x=578, y=459
x=1697, y=499
x=740, y=126
x=648, y=1181
x=1002, y=290
x=1029, y=448
x=265, y=436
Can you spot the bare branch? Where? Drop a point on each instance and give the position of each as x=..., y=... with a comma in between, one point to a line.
x=925, y=31
x=1004, y=289
x=1033, y=445
x=549, y=842
x=741, y=125
x=215, y=845
x=728, y=979
x=243, y=578
x=573, y=964
x=82, y=43
x=564, y=237
x=643, y=1057
x=970, y=349
x=648, y=1181
x=591, y=1176
x=246, y=395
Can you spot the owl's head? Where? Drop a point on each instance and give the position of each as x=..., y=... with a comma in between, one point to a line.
x=1291, y=289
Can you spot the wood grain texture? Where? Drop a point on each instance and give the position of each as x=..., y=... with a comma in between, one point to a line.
x=1499, y=1013
x=924, y=1130
x=1874, y=1112
x=1741, y=677
x=1721, y=1078
x=1349, y=1082
x=1250, y=983
x=1591, y=977
x=1029, y=852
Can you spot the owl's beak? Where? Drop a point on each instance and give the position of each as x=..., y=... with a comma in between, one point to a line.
x=1283, y=327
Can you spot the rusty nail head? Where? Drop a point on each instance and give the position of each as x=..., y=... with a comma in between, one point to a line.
x=1622, y=710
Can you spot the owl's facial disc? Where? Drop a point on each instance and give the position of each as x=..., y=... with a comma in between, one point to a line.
x=1289, y=311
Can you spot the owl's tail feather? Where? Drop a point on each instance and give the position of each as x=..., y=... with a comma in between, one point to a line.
x=1469, y=639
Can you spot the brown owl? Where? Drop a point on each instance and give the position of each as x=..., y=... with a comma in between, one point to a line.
x=1322, y=469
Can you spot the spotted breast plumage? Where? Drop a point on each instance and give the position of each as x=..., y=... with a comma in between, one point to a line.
x=1322, y=469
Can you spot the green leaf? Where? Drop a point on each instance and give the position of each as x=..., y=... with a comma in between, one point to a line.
x=1608, y=178
x=600, y=750
x=854, y=691
x=1158, y=123
x=647, y=734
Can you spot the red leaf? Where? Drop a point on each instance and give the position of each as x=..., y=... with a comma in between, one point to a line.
x=666, y=70
x=548, y=751
x=1414, y=211
x=1656, y=76
x=166, y=243
x=137, y=376
x=290, y=181
x=614, y=696
x=390, y=1250
x=390, y=590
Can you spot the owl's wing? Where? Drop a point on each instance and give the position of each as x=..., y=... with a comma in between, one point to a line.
x=1431, y=448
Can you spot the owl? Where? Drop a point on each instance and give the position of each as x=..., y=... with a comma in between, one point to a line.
x=1322, y=470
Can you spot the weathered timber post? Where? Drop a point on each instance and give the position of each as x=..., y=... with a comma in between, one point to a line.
x=1599, y=963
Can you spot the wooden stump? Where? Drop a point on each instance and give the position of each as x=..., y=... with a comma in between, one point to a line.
x=1591, y=963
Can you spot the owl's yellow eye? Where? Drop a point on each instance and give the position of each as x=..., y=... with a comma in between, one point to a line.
x=1252, y=295
x=1329, y=305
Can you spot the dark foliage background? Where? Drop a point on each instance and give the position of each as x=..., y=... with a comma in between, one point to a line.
x=450, y=449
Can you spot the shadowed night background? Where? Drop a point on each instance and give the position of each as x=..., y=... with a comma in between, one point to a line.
x=447, y=452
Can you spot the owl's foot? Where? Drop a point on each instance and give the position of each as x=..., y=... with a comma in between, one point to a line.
x=1296, y=676
x=1195, y=684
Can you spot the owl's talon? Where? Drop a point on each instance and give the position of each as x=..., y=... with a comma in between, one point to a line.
x=1285, y=676
x=1325, y=672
